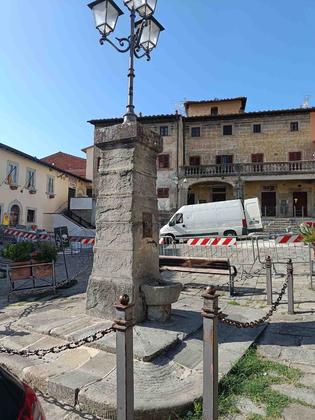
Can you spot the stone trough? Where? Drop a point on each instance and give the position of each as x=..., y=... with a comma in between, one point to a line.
x=159, y=298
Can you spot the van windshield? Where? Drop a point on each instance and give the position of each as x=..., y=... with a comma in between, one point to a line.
x=177, y=218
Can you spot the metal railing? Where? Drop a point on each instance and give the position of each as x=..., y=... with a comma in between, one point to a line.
x=259, y=168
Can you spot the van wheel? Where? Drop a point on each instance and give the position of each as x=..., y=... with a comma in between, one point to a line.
x=230, y=233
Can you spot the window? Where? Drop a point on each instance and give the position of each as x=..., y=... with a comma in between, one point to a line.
x=257, y=128
x=227, y=130
x=12, y=173
x=164, y=130
x=194, y=160
x=257, y=157
x=176, y=219
x=214, y=110
x=293, y=156
x=89, y=192
x=30, y=217
x=294, y=126
x=224, y=159
x=163, y=161
x=50, y=185
x=30, y=179
x=163, y=192
x=224, y=164
x=195, y=131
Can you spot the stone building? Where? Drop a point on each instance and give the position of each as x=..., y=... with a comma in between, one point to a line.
x=218, y=151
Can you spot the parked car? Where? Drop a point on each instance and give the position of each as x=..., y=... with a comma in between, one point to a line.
x=222, y=218
x=18, y=401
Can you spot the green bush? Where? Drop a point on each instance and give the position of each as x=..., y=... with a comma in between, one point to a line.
x=18, y=252
x=308, y=233
x=46, y=252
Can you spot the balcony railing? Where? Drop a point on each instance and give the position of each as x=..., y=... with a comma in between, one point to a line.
x=254, y=169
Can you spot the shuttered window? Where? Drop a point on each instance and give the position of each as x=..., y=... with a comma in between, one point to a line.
x=163, y=161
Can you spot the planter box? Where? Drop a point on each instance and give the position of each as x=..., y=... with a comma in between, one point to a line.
x=13, y=187
x=42, y=269
x=32, y=191
x=20, y=270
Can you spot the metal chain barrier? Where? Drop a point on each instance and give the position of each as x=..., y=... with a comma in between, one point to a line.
x=253, y=324
x=58, y=349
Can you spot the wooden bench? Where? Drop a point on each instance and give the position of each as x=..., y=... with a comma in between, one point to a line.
x=218, y=266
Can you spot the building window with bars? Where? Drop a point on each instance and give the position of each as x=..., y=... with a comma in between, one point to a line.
x=194, y=160
x=195, y=131
x=163, y=161
x=164, y=131
x=162, y=192
x=257, y=128
x=294, y=126
x=227, y=130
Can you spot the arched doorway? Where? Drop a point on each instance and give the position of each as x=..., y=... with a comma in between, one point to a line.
x=15, y=215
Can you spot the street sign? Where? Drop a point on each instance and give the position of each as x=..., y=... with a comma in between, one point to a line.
x=62, y=237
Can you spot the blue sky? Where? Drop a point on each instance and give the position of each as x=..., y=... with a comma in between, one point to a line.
x=54, y=75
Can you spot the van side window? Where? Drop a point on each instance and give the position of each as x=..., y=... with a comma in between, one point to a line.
x=179, y=218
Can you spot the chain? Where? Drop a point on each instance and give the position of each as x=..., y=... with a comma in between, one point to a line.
x=253, y=324
x=57, y=349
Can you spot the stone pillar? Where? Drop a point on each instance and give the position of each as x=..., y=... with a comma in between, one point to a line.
x=126, y=253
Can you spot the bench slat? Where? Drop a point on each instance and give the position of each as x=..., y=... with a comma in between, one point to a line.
x=194, y=270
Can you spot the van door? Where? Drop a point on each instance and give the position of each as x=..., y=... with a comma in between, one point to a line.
x=253, y=215
x=182, y=224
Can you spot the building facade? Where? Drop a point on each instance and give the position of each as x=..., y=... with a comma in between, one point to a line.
x=218, y=151
x=32, y=190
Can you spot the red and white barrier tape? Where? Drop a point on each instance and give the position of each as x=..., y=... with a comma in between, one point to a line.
x=224, y=241
x=45, y=236
x=288, y=239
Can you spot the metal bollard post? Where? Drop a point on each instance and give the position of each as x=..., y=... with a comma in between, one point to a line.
x=290, y=287
x=124, y=356
x=310, y=253
x=269, y=280
x=210, y=354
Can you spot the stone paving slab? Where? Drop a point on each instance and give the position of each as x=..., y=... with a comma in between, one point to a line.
x=297, y=412
x=303, y=394
x=87, y=376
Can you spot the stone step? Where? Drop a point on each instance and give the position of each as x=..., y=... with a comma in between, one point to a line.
x=86, y=377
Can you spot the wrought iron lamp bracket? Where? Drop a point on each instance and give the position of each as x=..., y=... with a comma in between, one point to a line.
x=127, y=44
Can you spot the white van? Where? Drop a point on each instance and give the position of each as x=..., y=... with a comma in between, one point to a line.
x=222, y=218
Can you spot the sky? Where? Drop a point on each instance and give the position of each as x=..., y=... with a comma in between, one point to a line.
x=55, y=76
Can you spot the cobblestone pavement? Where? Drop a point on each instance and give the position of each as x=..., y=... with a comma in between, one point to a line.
x=289, y=339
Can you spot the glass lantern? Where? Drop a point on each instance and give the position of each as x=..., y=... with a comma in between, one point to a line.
x=106, y=14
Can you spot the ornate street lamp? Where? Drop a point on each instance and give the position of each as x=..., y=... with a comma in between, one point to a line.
x=143, y=37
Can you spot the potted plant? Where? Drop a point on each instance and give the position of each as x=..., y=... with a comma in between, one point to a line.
x=45, y=253
x=307, y=231
x=20, y=261
x=32, y=191
x=13, y=187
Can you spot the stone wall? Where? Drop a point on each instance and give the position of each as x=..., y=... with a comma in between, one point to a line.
x=275, y=140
